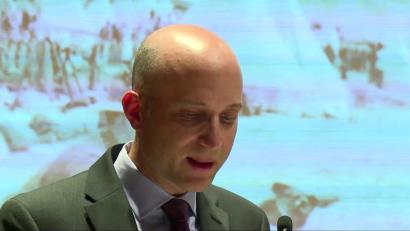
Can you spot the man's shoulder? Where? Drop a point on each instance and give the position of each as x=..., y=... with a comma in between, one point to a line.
x=54, y=194
x=229, y=200
x=58, y=204
x=70, y=188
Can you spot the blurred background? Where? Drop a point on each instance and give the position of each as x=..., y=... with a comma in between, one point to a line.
x=324, y=135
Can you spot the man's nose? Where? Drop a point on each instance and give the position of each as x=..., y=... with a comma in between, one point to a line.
x=212, y=135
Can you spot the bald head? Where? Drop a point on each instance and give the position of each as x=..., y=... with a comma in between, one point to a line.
x=180, y=50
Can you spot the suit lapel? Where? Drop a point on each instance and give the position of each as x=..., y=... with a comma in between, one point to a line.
x=210, y=216
x=111, y=213
x=106, y=204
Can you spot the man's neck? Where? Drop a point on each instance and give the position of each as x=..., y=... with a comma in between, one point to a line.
x=135, y=157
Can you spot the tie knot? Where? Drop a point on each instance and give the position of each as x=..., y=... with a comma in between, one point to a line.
x=176, y=210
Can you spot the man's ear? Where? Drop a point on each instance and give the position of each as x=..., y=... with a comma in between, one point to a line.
x=131, y=104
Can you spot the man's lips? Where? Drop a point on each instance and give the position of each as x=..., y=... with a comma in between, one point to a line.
x=200, y=164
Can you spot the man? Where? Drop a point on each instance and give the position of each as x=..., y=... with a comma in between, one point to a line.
x=186, y=97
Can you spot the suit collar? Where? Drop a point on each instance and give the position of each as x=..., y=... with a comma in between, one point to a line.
x=106, y=204
x=102, y=178
x=210, y=216
x=144, y=196
x=108, y=209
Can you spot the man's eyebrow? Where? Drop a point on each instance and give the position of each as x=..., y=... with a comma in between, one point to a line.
x=199, y=103
x=192, y=103
x=235, y=106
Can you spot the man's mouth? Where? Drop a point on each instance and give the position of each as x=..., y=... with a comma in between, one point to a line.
x=200, y=164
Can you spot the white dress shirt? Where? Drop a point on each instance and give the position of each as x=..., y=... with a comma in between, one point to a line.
x=145, y=197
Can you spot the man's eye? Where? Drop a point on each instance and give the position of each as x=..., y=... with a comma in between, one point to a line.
x=228, y=119
x=190, y=116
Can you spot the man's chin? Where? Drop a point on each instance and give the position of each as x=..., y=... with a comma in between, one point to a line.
x=199, y=185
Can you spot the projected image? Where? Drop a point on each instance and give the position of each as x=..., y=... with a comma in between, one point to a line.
x=324, y=134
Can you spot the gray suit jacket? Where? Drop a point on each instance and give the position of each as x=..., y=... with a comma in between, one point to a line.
x=95, y=200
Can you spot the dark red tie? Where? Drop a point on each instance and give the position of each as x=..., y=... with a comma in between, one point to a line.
x=177, y=211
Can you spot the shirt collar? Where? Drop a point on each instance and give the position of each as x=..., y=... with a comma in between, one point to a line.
x=143, y=194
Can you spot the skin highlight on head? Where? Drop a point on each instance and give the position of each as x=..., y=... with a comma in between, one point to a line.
x=187, y=93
